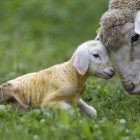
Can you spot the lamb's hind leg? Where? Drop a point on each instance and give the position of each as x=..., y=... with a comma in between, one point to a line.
x=5, y=97
x=8, y=94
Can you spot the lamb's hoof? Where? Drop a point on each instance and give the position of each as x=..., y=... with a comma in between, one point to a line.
x=2, y=106
x=65, y=106
x=91, y=112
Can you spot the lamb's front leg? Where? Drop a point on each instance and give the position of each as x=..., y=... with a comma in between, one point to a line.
x=52, y=101
x=86, y=109
x=57, y=104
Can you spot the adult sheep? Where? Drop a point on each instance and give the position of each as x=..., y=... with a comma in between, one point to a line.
x=120, y=33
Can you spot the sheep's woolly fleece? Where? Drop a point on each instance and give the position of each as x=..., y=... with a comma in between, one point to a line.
x=120, y=12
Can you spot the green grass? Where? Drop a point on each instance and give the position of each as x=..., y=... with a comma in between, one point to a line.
x=37, y=34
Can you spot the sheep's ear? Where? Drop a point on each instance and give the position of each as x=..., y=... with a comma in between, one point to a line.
x=137, y=23
x=81, y=62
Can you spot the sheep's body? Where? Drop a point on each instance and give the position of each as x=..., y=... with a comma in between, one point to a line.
x=46, y=87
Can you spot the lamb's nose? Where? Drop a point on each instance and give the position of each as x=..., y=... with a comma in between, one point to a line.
x=110, y=72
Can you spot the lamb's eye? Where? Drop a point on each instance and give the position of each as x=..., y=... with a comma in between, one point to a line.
x=134, y=38
x=96, y=55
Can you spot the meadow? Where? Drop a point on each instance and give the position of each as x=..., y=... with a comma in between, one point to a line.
x=35, y=35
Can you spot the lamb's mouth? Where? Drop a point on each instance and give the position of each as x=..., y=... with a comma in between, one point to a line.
x=107, y=75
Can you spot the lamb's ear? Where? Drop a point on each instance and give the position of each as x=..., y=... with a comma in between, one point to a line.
x=137, y=23
x=81, y=61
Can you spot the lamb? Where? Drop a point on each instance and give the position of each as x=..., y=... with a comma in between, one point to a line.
x=61, y=85
x=120, y=34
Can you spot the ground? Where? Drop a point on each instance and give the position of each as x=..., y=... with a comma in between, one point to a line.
x=37, y=34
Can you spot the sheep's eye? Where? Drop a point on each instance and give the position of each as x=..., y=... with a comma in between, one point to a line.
x=134, y=38
x=96, y=55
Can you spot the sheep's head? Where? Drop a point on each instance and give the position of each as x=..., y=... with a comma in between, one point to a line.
x=91, y=57
x=120, y=29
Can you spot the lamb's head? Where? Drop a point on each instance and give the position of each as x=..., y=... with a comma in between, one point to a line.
x=91, y=58
x=120, y=30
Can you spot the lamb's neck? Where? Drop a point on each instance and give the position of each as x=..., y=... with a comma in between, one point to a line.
x=73, y=72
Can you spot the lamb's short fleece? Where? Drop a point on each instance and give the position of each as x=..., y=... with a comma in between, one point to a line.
x=60, y=85
x=46, y=87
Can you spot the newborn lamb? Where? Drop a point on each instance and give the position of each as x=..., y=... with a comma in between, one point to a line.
x=61, y=85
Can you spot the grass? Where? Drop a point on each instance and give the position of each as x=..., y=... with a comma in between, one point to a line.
x=37, y=34
x=118, y=118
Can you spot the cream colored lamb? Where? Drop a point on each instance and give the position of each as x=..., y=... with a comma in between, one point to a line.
x=61, y=85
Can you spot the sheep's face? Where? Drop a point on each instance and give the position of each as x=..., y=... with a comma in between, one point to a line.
x=128, y=58
x=91, y=57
